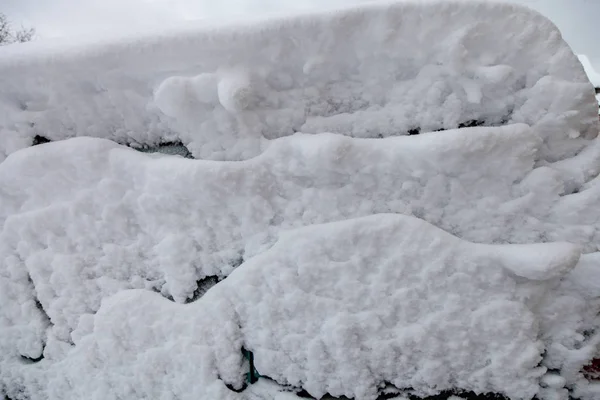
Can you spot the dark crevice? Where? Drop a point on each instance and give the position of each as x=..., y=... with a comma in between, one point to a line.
x=175, y=148
x=252, y=375
x=38, y=139
x=304, y=394
x=46, y=318
x=202, y=286
x=402, y=394
x=232, y=388
x=167, y=296
x=205, y=284
x=591, y=371
x=471, y=124
x=158, y=288
x=30, y=360
x=38, y=304
x=442, y=396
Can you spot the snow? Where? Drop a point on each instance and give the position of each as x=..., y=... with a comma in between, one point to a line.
x=361, y=72
x=332, y=308
x=164, y=223
x=311, y=228
x=591, y=73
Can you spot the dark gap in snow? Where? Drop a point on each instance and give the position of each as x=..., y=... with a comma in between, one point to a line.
x=304, y=394
x=163, y=293
x=171, y=148
x=442, y=396
x=38, y=139
x=159, y=288
x=588, y=333
x=30, y=360
x=167, y=296
x=38, y=304
x=232, y=388
x=46, y=317
x=205, y=284
x=252, y=376
x=471, y=124
x=202, y=286
x=591, y=371
x=466, y=124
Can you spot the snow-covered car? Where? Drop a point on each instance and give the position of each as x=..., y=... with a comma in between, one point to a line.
x=395, y=198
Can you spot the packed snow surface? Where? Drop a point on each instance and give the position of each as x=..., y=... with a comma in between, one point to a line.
x=326, y=224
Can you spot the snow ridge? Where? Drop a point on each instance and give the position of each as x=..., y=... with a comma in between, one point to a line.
x=361, y=72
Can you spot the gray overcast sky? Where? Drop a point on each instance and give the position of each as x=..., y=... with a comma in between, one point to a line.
x=579, y=20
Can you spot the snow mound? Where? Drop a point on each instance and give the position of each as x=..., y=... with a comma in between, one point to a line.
x=337, y=308
x=372, y=71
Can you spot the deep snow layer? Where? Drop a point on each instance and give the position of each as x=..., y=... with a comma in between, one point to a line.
x=329, y=296
x=85, y=219
x=339, y=308
x=375, y=71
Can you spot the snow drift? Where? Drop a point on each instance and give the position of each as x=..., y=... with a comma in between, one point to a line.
x=335, y=308
x=330, y=225
x=376, y=71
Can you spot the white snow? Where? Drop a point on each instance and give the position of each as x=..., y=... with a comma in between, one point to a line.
x=591, y=73
x=113, y=219
x=336, y=308
x=354, y=255
x=361, y=72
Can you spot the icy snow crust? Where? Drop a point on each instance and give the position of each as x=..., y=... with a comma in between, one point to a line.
x=354, y=256
x=375, y=71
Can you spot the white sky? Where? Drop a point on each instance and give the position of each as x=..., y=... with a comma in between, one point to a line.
x=579, y=20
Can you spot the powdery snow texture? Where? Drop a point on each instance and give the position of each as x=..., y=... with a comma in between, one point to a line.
x=327, y=295
x=375, y=71
x=336, y=308
x=86, y=218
